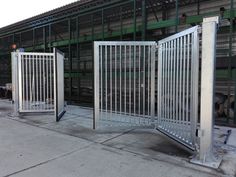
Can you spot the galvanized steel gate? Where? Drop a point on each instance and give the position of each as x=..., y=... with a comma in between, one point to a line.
x=177, y=86
x=130, y=89
x=124, y=82
x=38, y=82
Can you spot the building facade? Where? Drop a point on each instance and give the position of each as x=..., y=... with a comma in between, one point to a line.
x=73, y=28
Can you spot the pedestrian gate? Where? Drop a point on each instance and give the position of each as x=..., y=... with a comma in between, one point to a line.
x=38, y=82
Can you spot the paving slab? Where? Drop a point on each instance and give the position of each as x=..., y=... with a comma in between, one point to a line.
x=23, y=146
x=101, y=161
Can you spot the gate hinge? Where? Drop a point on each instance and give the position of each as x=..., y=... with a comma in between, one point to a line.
x=199, y=30
x=197, y=133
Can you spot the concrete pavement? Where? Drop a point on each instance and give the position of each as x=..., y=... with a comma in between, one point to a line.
x=38, y=146
x=27, y=150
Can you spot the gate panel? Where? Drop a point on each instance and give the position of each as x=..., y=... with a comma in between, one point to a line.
x=124, y=76
x=59, y=85
x=178, y=67
x=36, y=82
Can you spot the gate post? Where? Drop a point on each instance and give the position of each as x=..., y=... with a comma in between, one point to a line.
x=96, y=85
x=14, y=77
x=206, y=155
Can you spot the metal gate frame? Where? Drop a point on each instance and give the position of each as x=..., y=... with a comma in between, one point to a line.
x=38, y=82
x=201, y=136
x=115, y=58
x=177, y=86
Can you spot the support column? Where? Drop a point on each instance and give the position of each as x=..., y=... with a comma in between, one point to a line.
x=176, y=15
x=135, y=21
x=206, y=155
x=70, y=59
x=144, y=20
x=121, y=23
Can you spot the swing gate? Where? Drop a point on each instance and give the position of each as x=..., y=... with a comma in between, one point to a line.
x=129, y=87
x=38, y=82
x=177, y=86
x=124, y=82
x=145, y=83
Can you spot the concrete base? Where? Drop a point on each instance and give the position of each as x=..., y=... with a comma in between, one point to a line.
x=211, y=163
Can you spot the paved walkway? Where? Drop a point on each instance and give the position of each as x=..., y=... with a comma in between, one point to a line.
x=37, y=147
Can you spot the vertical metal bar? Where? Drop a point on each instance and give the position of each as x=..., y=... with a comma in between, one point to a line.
x=115, y=79
x=196, y=84
x=134, y=70
x=101, y=75
x=148, y=77
x=139, y=82
x=166, y=59
x=125, y=79
x=20, y=81
x=177, y=84
x=159, y=84
x=33, y=80
x=174, y=81
x=181, y=87
x=96, y=84
x=47, y=78
x=171, y=84
x=111, y=70
x=55, y=83
x=153, y=63
x=144, y=80
x=30, y=81
x=187, y=79
x=106, y=66
x=27, y=81
x=164, y=84
x=130, y=70
x=23, y=80
x=184, y=79
x=50, y=79
x=40, y=80
x=37, y=85
x=44, y=84
x=120, y=79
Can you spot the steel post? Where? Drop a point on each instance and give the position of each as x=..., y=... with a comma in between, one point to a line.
x=206, y=155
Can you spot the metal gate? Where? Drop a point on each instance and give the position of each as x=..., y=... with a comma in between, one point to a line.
x=124, y=82
x=38, y=82
x=177, y=86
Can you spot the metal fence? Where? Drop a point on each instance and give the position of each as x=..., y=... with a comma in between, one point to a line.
x=124, y=82
x=178, y=70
